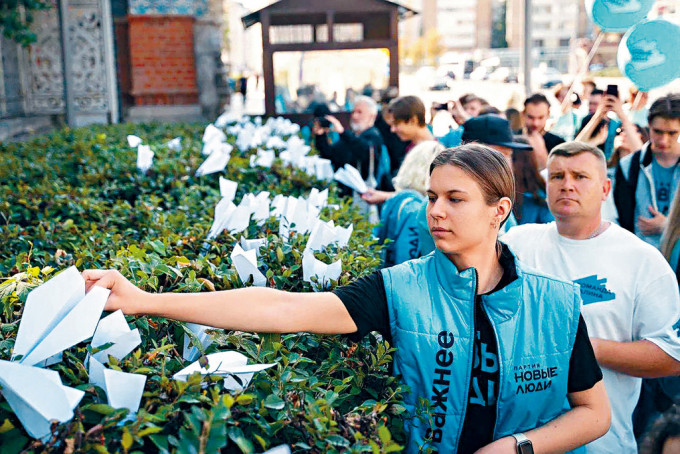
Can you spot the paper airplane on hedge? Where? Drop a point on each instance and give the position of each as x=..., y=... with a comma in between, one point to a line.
x=57, y=315
x=228, y=188
x=223, y=211
x=213, y=134
x=349, y=176
x=281, y=449
x=275, y=142
x=144, y=158
x=190, y=352
x=311, y=266
x=226, y=119
x=134, y=141
x=245, y=263
x=264, y=158
x=174, y=144
x=297, y=216
x=123, y=390
x=37, y=397
x=255, y=244
x=258, y=205
x=231, y=365
x=115, y=330
x=318, y=198
x=325, y=233
x=216, y=161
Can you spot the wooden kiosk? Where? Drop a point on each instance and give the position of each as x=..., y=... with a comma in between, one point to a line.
x=322, y=25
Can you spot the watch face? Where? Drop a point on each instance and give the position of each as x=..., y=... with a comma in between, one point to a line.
x=525, y=447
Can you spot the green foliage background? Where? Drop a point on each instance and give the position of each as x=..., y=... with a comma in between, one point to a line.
x=75, y=197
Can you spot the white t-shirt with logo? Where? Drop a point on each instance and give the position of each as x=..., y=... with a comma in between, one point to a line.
x=629, y=293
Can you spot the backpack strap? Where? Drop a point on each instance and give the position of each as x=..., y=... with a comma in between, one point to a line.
x=624, y=192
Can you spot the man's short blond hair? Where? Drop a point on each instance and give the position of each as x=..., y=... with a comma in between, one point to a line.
x=574, y=148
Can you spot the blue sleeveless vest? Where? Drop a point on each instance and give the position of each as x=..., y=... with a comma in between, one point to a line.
x=431, y=310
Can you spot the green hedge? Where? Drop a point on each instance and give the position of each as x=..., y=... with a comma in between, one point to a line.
x=75, y=197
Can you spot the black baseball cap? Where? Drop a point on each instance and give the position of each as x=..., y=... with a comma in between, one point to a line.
x=491, y=129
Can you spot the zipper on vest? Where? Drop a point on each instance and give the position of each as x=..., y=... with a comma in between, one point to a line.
x=500, y=372
x=470, y=364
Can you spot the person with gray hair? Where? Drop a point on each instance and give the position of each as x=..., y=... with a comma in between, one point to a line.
x=354, y=146
x=630, y=296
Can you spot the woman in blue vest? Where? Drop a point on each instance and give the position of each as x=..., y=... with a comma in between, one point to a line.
x=497, y=349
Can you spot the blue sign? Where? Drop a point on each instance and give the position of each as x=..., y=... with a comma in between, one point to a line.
x=648, y=54
x=617, y=15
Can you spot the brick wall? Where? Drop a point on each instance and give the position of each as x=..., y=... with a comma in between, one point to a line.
x=162, y=60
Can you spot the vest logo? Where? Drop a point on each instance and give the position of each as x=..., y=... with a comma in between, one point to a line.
x=440, y=386
x=594, y=290
x=532, y=378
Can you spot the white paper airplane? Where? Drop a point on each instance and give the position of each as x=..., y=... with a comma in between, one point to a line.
x=223, y=211
x=213, y=134
x=190, y=352
x=37, y=397
x=114, y=329
x=325, y=233
x=228, y=188
x=134, y=141
x=123, y=390
x=216, y=162
x=58, y=315
x=311, y=266
x=349, y=176
x=227, y=364
x=144, y=158
x=254, y=244
x=245, y=263
x=175, y=144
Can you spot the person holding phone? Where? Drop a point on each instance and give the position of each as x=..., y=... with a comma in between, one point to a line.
x=496, y=348
x=600, y=128
x=353, y=146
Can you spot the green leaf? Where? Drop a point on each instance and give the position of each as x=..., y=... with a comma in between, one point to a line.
x=274, y=402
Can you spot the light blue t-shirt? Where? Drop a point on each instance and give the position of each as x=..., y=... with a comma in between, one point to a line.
x=664, y=186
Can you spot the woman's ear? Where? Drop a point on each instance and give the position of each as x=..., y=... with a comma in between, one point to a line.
x=503, y=208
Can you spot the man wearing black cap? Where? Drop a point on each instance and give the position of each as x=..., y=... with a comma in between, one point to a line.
x=493, y=131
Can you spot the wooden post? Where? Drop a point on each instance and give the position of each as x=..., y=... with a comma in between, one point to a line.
x=394, y=49
x=268, y=67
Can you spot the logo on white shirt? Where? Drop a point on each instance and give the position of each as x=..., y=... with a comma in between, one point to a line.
x=594, y=290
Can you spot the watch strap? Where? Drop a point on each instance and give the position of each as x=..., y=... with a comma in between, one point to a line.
x=520, y=437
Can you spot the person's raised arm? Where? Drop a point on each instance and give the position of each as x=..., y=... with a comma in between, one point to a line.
x=585, y=135
x=588, y=419
x=632, y=135
x=248, y=309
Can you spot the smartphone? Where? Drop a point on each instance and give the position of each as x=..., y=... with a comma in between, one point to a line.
x=613, y=89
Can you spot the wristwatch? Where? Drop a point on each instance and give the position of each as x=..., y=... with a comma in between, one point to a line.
x=524, y=445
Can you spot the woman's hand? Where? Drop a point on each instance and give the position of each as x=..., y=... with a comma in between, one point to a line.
x=124, y=294
x=374, y=197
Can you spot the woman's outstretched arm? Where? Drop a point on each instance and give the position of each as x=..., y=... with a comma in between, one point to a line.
x=248, y=309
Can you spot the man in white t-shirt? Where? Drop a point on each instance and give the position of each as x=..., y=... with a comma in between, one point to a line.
x=630, y=296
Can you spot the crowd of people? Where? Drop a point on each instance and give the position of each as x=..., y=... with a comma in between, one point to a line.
x=531, y=279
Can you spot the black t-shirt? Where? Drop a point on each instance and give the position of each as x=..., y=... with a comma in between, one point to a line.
x=551, y=141
x=366, y=302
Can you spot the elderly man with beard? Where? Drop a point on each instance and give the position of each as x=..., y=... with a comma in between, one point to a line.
x=354, y=146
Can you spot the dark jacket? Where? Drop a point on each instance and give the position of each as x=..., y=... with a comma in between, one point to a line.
x=351, y=149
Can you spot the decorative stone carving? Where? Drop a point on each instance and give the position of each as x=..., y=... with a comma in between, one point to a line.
x=91, y=84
